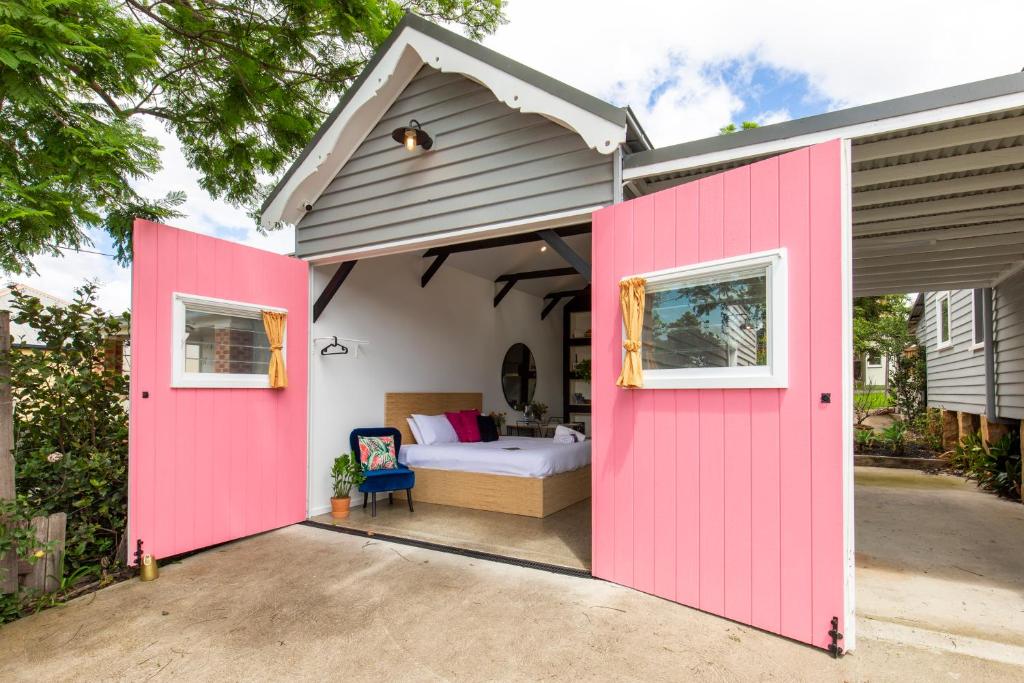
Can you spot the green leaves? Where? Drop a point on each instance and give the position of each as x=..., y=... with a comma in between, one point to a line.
x=243, y=85
x=71, y=423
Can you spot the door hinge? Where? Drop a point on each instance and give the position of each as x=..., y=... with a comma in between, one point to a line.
x=836, y=636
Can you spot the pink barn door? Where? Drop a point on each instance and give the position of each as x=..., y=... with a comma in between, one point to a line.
x=732, y=500
x=208, y=465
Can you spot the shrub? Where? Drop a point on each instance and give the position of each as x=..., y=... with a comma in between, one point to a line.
x=865, y=438
x=71, y=425
x=996, y=468
x=907, y=376
x=895, y=437
x=928, y=427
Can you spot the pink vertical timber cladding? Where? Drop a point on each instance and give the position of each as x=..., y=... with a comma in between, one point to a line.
x=745, y=510
x=736, y=404
x=764, y=427
x=622, y=414
x=643, y=424
x=794, y=405
x=604, y=391
x=826, y=377
x=711, y=239
x=210, y=465
x=663, y=453
x=687, y=424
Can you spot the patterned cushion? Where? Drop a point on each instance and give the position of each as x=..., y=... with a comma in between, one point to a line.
x=377, y=452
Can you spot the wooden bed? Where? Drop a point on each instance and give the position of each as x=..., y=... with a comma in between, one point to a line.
x=529, y=496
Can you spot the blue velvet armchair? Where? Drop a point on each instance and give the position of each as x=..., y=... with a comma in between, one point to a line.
x=379, y=481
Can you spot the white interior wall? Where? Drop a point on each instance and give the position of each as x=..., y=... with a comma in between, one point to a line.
x=445, y=337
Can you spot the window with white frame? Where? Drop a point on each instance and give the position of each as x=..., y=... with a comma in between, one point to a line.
x=219, y=343
x=717, y=324
x=978, y=317
x=874, y=360
x=943, y=320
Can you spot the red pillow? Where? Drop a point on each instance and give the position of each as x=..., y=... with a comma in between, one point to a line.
x=464, y=424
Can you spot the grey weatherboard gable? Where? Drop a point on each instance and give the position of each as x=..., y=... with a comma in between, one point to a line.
x=636, y=140
x=489, y=164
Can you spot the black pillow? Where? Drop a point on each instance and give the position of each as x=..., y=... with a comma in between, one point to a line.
x=488, y=428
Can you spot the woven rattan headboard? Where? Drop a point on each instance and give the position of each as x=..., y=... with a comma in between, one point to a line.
x=398, y=406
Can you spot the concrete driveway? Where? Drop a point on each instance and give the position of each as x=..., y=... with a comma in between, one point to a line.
x=303, y=603
x=940, y=563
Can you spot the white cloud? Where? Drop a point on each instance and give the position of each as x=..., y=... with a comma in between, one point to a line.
x=849, y=53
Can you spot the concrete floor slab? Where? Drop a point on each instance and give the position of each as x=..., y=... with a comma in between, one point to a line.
x=305, y=604
x=562, y=538
x=939, y=563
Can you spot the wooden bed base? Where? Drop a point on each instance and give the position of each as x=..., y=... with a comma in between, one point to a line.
x=529, y=496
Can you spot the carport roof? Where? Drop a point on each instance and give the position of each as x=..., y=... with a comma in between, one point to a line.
x=835, y=120
x=937, y=182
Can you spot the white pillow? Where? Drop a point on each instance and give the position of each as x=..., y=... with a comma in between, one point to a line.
x=415, y=429
x=562, y=433
x=435, y=429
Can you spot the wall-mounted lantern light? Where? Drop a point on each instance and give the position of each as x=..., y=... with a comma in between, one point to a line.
x=412, y=136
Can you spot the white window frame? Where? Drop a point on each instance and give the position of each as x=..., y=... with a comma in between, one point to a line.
x=209, y=380
x=975, y=344
x=948, y=342
x=774, y=375
x=868, y=363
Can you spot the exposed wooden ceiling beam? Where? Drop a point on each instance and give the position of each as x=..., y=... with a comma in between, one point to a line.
x=344, y=268
x=432, y=269
x=504, y=292
x=923, y=169
x=956, y=204
x=939, y=188
x=947, y=137
x=504, y=241
x=554, y=297
x=536, y=274
x=556, y=242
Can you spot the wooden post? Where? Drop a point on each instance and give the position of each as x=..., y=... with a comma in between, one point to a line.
x=8, y=563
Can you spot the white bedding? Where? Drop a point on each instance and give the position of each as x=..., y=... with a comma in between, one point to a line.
x=534, y=458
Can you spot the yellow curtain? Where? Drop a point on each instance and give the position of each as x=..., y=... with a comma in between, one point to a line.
x=273, y=323
x=631, y=296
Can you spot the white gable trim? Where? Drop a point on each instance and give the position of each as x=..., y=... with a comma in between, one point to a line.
x=389, y=77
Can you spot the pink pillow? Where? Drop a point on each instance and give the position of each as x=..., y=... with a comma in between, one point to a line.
x=464, y=424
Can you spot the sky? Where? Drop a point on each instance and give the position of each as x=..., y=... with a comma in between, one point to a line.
x=686, y=68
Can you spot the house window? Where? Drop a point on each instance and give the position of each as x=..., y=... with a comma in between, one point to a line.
x=943, y=320
x=219, y=343
x=717, y=324
x=874, y=360
x=977, y=318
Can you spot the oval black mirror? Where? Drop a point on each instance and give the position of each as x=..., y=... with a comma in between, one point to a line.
x=518, y=376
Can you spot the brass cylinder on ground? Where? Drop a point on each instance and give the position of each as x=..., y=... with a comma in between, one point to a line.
x=148, y=571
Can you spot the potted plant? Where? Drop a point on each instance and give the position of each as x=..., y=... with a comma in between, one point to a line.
x=346, y=472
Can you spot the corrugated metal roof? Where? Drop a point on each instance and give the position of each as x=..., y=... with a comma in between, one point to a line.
x=945, y=97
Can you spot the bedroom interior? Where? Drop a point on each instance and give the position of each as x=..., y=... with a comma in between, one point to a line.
x=497, y=327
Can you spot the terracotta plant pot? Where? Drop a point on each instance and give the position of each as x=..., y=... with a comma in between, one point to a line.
x=339, y=507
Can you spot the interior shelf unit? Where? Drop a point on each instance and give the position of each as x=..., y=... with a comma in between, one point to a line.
x=576, y=361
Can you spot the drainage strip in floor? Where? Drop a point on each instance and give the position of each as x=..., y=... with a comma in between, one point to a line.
x=477, y=554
